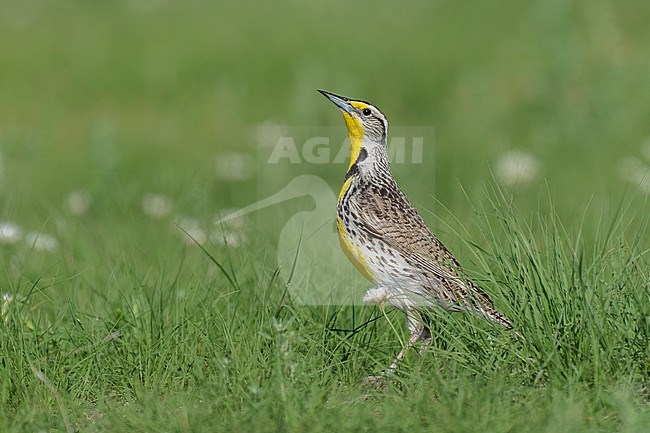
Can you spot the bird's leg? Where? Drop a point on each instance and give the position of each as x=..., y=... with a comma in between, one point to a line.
x=416, y=334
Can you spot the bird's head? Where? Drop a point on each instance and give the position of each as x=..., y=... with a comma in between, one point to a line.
x=367, y=125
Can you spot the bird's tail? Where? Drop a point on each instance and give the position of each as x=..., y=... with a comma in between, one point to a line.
x=485, y=308
x=498, y=318
x=495, y=316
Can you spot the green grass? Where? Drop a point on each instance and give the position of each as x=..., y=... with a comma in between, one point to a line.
x=126, y=326
x=172, y=350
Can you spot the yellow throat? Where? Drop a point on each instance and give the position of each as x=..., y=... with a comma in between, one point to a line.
x=355, y=134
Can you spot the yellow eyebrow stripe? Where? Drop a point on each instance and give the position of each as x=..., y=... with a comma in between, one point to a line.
x=359, y=105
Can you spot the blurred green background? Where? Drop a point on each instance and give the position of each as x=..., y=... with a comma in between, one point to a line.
x=120, y=98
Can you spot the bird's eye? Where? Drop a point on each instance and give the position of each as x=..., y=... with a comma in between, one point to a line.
x=366, y=112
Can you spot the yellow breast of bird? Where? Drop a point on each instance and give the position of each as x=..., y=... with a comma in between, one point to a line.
x=353, y=252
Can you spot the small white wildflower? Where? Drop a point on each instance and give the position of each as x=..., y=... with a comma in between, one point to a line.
x=231, y=219
x=377, y=295
x=191, y=230
x=4, y=311
x=229, y=228
x=517, y=168
x=227, y=237
x=636, y=172
x=195, y=235
x=268, y=133
x=7, y=300
x=10, y=233
x=41, y=241
x=234, y=166
x=78, y=202
x=156, y=206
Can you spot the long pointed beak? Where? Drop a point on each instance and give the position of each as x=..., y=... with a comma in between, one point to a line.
x=340, y=101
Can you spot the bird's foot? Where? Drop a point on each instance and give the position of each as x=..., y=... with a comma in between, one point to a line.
x=376, y=382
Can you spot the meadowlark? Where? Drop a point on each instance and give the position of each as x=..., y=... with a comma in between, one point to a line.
x=388, y=241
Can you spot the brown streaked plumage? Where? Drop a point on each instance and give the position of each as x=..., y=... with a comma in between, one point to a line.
x=387, y=239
